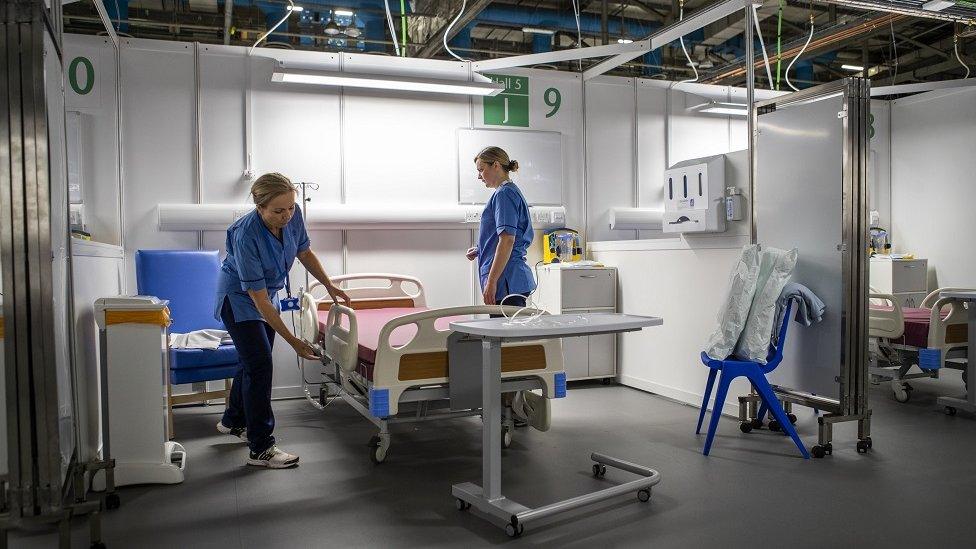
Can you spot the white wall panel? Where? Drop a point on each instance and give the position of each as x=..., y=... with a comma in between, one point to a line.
x=157, y=115
x=401, y=147
x=295, y=128
x=932, y=167
x=435, y=257
x=99, y=135
x=222, y=81
x=610, y=129
x=879, y=162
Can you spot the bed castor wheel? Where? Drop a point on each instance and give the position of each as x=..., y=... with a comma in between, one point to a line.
x=112, y=501
x=774, y=426
x=863, y=446
x=950, y=411
x=506, y=437
x=818, y=451
x=599, y=470
x=745, y=427
x=644, y=495
x=756, y=423
x=378, y=450
x=792, y=418
x=902, y=393
x=514, y=530
x=461, y=504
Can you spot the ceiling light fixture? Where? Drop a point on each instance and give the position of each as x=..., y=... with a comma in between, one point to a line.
x=937, y=5
x=384, y=82
x=296, y=9
x=537, y=30
x=624, y=41
x=331, y=28
x=352, y=31
x=343, y=13
x=856, y=68
x=716, y=107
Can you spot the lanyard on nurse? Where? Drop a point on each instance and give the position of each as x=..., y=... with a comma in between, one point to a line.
x=289, y=303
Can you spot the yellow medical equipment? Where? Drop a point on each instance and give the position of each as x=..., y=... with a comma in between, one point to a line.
x=562, y=246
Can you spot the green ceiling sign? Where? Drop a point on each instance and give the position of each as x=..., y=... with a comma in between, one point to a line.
x=511, y=107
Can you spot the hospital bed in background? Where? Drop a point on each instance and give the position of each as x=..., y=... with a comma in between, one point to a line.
x=386, y=355
x=928, y=338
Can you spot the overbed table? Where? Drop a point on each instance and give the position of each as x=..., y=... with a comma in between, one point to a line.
x=969, y=403
x=488, y=498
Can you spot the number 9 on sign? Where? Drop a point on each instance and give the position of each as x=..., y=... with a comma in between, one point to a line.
x=553, y=99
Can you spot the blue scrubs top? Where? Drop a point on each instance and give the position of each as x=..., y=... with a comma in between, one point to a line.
x=257, y=260
x=506, y=212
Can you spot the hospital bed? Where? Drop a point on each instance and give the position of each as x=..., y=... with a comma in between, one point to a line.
x=386, y=355
x=928, y=338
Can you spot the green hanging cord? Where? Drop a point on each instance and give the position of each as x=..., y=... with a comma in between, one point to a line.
x=779, y=44
x=403, y=28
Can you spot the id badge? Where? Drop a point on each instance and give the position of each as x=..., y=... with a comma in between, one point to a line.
x=290, y=304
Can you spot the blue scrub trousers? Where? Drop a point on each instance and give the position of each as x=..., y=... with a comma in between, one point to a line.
x=250, y=396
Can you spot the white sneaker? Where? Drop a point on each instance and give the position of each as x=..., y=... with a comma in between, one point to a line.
x=273, y=458
x=239, y=432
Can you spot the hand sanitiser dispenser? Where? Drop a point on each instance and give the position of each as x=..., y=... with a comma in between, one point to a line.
x=694, y=193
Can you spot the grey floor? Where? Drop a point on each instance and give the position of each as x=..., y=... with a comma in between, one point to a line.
x=917, y=486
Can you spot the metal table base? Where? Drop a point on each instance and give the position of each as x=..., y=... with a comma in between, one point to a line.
x=488, y=498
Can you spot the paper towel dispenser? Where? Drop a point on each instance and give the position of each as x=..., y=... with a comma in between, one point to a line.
x=694, y=192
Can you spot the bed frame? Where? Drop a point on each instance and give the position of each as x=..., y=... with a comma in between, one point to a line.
x=946, y=347
x=410, y=382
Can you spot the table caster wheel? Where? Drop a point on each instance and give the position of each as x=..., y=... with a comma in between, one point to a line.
x=756, y=423
x=774, y=426
x=112, y=501
x=378, y=450
x=792, y=418
x=829, y=447
x=870, y=442
x=745, y=427
x=902, y=393
x=461, y=505
x=514, y=531
x=863, y=446
x=818, y=451
x=599, y=470
x=950, y=411
x=644, y=495
x=506, y=437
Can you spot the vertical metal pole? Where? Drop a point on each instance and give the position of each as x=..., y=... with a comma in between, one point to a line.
x=751, y=101
x=491, y=416
x=604, y=26
x=228, y=17
x=198, y=132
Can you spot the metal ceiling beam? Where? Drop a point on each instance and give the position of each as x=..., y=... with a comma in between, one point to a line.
x=436, y=42
x=929, y=70
x=889, y=7
x=671, y=33
x=922, y=87
x=106, y=21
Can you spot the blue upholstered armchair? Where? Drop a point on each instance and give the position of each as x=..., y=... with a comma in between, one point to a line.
x=188, y=279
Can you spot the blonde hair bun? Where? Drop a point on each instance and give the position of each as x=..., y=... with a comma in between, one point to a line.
x=270, y=186
x=513, y=166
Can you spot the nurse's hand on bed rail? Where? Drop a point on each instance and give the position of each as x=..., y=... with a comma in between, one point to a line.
x=472, y=253
x=338, y=295
x=303, y=350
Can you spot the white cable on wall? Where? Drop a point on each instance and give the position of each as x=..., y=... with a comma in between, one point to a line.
x=762, y=46
x=681, y=17
x=790, y=66
x=389, y=20
x=288, y=12
x=464, y=4
x=955, y=48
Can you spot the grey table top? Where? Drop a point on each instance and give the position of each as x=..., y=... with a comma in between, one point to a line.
x=959, y=294
x=555, y=326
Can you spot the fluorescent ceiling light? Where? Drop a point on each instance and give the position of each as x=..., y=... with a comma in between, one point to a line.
x=852, y=67
x=715, y=107
x=937, y=5
x=624, y=41
x=383, y=82
x=296, y=9
x=537, y=30
x=343, y=13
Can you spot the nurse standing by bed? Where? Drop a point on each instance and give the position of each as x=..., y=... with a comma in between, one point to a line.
x=261, y=248
x=505, y=233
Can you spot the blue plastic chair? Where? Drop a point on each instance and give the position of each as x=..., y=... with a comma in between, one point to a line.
x=756, y=374
x=188, y=279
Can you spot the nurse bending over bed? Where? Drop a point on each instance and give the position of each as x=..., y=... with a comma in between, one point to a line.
x=261, y=248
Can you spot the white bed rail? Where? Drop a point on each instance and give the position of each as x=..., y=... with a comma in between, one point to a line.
x=378, y=287
x=882, y=322
x=938, y=326
x=341, y=343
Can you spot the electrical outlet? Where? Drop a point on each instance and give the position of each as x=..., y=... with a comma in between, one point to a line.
x=472, y=217
x=557, y=217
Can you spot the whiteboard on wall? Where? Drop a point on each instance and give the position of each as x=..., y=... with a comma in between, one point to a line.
x=540, y=158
